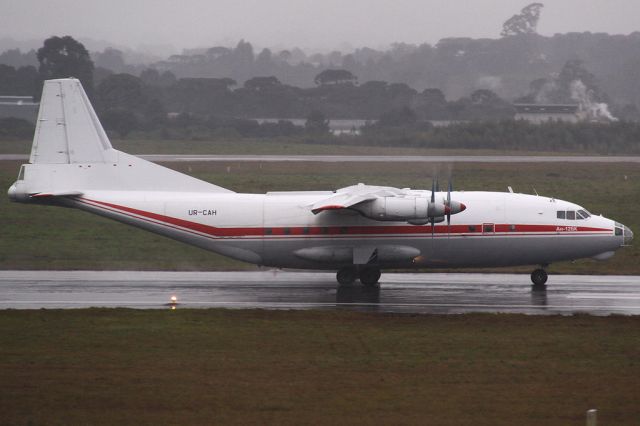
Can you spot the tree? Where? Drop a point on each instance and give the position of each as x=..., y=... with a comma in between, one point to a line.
x=434, y=96
x=485, y=97
x=21, y=82
x=316, y=123
x=119, y=120
x=122, y=91
x=63, y=57
x=334, y=77
x=400, y=117
x=111, y=59
x=261, y=83
x=526, y=22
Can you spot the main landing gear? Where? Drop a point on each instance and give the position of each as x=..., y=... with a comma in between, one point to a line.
x=368, y=275
x=539, y=279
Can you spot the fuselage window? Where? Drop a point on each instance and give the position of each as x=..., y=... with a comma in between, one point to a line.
x=268, y=231
x=512, y=228
x=571, y=214
x=561, y=214
x=472, y=228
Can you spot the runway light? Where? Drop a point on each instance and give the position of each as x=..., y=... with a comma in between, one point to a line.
x=174, y=299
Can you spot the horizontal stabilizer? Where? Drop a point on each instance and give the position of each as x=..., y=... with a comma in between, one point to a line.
x=57, y=194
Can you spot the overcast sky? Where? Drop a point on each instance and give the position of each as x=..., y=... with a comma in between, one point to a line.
x=324, y=24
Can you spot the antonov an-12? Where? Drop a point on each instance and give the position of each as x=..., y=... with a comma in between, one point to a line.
x=357, y=231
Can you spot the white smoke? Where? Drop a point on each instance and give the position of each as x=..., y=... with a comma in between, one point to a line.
x=491, y=82
x=543, y=96
x=593, y=111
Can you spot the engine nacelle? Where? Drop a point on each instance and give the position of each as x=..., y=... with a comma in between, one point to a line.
x=426, y=221
x=401, y=209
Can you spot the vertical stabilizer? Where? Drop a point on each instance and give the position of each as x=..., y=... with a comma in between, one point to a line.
x=68, y=130
x=71, y=154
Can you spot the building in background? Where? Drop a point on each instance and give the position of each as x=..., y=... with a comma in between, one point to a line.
x=540, y=113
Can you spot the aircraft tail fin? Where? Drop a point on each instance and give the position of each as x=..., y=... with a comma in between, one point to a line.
x=71, y=154
x=68, y=130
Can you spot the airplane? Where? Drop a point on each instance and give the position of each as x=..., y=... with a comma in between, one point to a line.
x=357, y=231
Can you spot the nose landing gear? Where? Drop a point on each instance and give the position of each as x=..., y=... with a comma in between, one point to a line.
x=539, y=279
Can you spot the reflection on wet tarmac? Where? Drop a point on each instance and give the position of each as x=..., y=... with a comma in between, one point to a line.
x=357, y=294
x=408, y=293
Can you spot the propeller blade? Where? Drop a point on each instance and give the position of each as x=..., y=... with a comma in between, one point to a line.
x=449, y=203
x=449, y=209
x=433, y=191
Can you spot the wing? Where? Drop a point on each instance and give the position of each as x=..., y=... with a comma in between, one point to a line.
x=345, y=198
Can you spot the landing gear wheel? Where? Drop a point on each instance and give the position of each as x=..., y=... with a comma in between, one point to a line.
x=539, y=278
x=347, y=276
x=369, y=276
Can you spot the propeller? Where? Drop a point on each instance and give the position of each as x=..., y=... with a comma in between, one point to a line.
x=432, y=219
x=448, y=209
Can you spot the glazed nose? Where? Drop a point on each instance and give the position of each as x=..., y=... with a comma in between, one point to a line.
x=627, y=235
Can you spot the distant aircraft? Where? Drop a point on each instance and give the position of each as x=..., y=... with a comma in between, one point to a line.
x=358, y=230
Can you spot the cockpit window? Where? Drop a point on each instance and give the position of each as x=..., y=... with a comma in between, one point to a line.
x=583, y=214
x=571, y=214
x=561, y=214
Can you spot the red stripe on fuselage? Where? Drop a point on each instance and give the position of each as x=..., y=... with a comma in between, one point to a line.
x=302, y=231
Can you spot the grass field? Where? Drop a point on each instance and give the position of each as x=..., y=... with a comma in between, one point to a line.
x=36, y=237
x=272, y=146
x=111, y=367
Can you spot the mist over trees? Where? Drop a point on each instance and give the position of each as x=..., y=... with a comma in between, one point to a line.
x=455, y=66
x=219, y=91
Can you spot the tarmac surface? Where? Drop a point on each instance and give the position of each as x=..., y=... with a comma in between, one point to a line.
x=398, y=292
x=158, y=158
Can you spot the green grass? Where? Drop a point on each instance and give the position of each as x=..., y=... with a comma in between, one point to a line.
x=36, y=237
x=268, y=146
x=109, y=367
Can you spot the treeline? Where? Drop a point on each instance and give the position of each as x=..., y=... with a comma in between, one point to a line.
x=457, y=66
x=610, y=138
x=159, y=105
x=396, y=129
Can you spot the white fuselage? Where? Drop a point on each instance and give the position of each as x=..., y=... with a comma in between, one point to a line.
x=279, y=230
x=357, y=230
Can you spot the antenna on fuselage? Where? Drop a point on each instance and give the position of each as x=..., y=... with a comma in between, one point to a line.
x=535, y=192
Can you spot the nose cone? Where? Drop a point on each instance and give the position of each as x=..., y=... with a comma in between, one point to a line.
x=12, y=192
x=628, y=235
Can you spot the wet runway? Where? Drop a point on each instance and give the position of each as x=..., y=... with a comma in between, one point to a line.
x=405, y=293
x=379, y=158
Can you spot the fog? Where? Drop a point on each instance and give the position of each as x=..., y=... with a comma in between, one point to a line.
x=310, y=24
